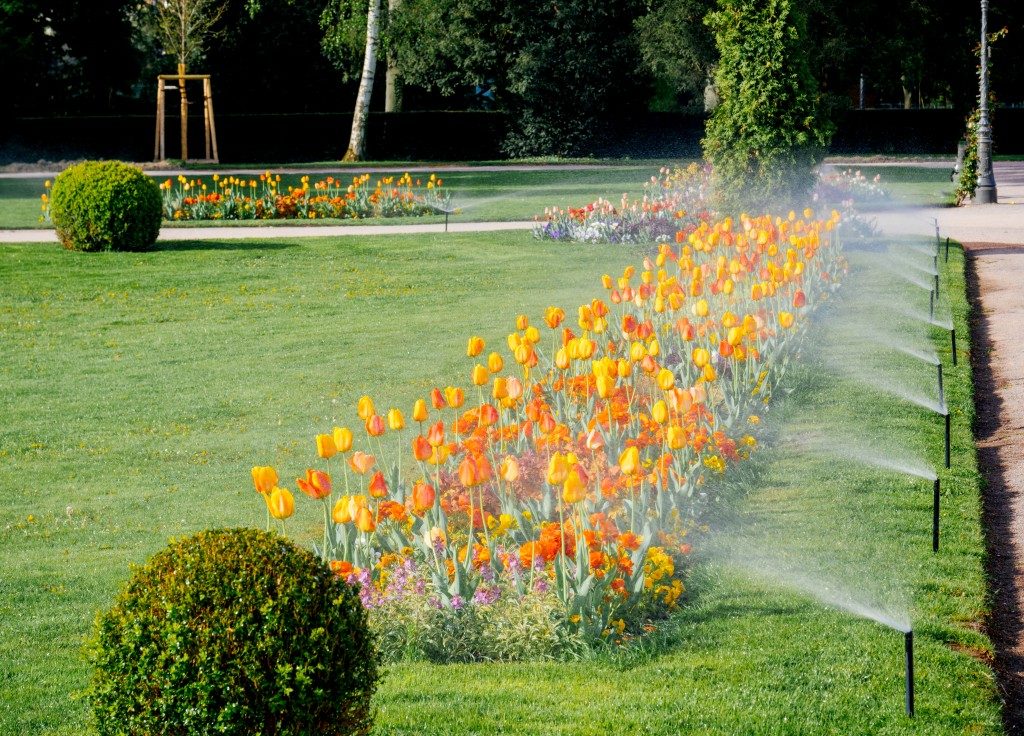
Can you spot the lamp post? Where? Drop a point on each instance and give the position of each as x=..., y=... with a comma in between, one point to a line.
x=986, y=190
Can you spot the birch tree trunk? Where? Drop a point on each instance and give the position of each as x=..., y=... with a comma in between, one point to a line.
x=393, y=80
x=357, y=140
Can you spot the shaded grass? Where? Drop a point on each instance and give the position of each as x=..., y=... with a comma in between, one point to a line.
x=142, y=387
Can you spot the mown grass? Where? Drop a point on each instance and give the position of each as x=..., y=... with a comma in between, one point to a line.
x=140, y=389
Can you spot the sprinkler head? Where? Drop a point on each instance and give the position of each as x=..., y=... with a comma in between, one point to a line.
x=947, y=249
x=908, y=655
x=935, y=515
x=931, y=305
x=942, y=393
x=947, y=436
x=952, y=338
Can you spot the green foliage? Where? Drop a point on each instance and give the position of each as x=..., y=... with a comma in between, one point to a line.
x=233, y=631
x=105, y=205
x=677, y=46
x=768, y=132
x=968, y=181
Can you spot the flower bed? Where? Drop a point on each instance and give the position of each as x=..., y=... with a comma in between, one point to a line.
x=559, y=498
x=267, y=198
x=674, y=201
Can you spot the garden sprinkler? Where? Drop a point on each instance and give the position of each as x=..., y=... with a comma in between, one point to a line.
x=908, y=650
x=942, y=393
x=931, y=305
x=935, y=515
x=952, y=337
x=946, y=414
x=947, y=249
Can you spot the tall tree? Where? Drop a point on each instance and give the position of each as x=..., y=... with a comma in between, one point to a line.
x=768, y=132
x=357, y=138
x=677, y=46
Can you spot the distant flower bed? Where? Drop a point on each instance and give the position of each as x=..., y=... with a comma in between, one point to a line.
x=850, y=185
x=675, y=201
x=264, y=198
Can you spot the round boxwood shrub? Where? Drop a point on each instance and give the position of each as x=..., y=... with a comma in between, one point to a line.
x=233, y=631
x=105, y=205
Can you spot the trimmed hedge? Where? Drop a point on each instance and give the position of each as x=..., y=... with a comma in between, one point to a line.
x=238, y=632
x=105, y=205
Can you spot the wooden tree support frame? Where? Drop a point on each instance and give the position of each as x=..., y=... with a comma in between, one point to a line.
x=210, y=127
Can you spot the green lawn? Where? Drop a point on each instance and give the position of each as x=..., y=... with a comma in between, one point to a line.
x=140, y=389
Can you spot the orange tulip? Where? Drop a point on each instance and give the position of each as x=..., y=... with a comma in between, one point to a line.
x=365, y=408
x=437, y=399
x=488, y=415
x=423, y=496
x=495, y=363
x=325, y=446
x=553, y=317
x=395, y=420
x=474, y=346
x=421, y=448
x=509, y=469
x=522, y=322
x=316, y=484
x=468, y=474
x=378, y=486
x=342, y=439
x=799, y=299
x=361, y=462
x=375, y=426
x=419, y=411
x=629, y=461
x=281, y=503
x=264, y=478
x=573, y=489
x=595, y=440
x=435, y=435
x=365, y=521
x=515, y=388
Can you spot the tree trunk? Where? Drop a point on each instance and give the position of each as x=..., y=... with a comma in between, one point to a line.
x=393, y=79
x=357, y=140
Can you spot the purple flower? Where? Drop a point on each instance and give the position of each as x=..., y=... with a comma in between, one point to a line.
x=458, y=603
x=485, y=596
x=541, y=586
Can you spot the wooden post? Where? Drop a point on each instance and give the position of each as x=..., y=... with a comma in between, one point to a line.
x=206, y=117
x=208, y=85
x=158, y=144
x=184, y=112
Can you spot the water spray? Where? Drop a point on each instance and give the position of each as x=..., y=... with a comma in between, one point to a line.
x=936, y=488
x=908, y=655
x=938, y=240
x=952, y=339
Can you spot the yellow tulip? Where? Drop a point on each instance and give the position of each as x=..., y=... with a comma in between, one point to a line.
x=395, y=419
x=419, y=411
x=365, y=408
x=558, y=469
x=573, y=490
x=709, y=373
x=479, y=375
x=281, y=503
x=676, y=437
x=629, y=461
x=325, y=446
x=474, y=346
x=510, y=469
x=605, y=385
x=786, y=319
x=264, y=478
x=342, y=439
x=495, y=363
x=659, y=412
x=665, y=379
x=500, y=389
